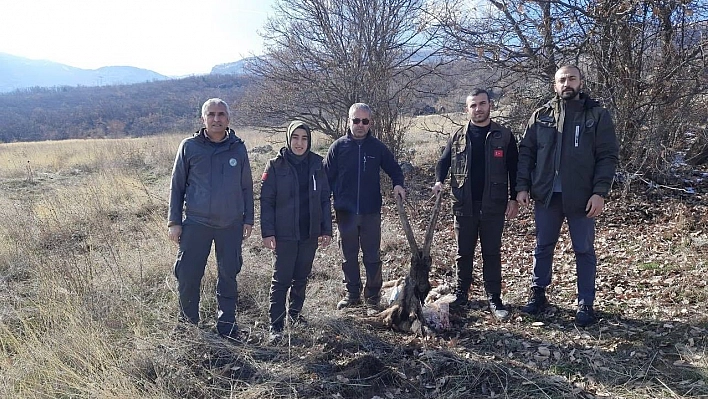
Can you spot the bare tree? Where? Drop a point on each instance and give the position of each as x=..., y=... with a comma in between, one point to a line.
x=651, y=66
x=322, y=56
x=645, y=60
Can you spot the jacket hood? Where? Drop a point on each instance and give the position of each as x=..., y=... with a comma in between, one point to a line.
x=282, y=153
x=298, y=125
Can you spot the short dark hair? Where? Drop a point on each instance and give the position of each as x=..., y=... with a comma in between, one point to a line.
x=476, y=92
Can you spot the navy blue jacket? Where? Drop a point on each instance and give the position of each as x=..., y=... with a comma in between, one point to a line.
x=353, y=167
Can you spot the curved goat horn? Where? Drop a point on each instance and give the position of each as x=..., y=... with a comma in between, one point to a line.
x=406, y=225
x=431, y=227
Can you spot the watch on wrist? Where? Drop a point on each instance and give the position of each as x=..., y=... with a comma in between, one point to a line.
x=604, y=196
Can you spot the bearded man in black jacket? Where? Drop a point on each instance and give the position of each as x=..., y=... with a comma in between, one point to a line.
x=567, y=161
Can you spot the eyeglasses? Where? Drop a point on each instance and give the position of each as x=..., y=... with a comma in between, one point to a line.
x=363, y=121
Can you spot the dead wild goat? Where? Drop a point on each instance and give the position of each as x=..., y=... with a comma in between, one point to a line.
x=406, y=312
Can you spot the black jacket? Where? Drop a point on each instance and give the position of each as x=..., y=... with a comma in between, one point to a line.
x=501, y=156
x=586, y=155
x=280, y=199
x=353, y=171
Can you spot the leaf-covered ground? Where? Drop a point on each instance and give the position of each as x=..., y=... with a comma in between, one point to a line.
x=650, y=341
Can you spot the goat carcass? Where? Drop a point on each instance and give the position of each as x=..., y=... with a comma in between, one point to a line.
x=406, y=311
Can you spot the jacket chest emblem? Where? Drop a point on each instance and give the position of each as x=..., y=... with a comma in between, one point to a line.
x=498, y=153
x=233, y=162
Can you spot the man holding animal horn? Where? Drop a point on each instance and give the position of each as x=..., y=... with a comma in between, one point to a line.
x=481, y=158
x=211, y=200
x=353, y=165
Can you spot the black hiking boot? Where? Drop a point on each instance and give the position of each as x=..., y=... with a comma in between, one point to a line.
x=275, y=334
x=537, y=303
x=460, y=302
x=497, y=308
x=297, y=320
x=373, y=302
x=585, y=316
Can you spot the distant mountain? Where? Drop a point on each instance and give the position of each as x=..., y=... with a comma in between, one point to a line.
x=18, y=73
x=232, y=68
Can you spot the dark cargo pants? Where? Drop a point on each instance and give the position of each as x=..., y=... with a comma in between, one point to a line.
x=361, y=232
x=488, y=229
x=194, y=248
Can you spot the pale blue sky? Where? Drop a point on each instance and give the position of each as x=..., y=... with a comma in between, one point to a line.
x=171, y=37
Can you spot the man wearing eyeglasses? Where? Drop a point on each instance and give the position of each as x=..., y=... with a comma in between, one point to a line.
x=352, y=165
x=481, y=158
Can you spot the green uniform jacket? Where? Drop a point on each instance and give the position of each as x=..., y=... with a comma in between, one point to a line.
x=211, y=182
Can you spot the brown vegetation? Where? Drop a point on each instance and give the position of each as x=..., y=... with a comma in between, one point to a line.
x=88, y=303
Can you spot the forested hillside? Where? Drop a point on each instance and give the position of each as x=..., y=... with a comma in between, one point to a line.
x=112, y=111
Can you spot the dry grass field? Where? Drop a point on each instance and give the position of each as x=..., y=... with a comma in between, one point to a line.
x=88, y=301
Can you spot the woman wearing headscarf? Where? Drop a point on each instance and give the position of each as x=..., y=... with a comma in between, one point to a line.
x=296, y=218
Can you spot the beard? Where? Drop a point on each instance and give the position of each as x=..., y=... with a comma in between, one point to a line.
x=569, y=94
x=479, y=118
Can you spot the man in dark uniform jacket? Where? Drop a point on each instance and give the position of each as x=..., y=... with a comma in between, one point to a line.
x=482, y=158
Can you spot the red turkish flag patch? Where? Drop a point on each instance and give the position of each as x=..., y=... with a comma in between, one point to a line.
x=498, y=153
x=265, y=176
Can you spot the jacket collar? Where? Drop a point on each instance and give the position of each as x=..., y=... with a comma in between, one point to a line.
x=351, y=136
x=588, y=102
x=230, y=136
x=493, y=127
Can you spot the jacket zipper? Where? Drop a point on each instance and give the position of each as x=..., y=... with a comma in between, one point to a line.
x=577, y=135
x=487, y=160
x=556, y=165
x=358, y=180
x=560, y=120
